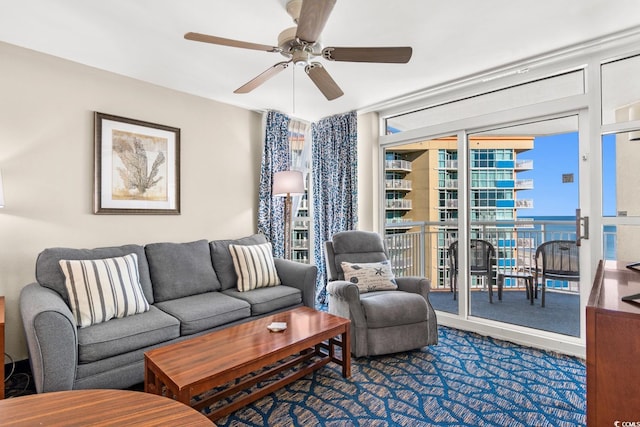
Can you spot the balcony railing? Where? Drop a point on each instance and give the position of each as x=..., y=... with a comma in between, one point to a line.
x=450, y=183
x=524, y=184
x=524, y=165
x=398, y=184
x=424, y=252
x=451, y=164
x=401, y=204
x=300, y=243
x=301, y=225
x=524, y=203
x=397, y=165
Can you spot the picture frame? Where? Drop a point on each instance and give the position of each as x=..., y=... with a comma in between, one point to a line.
x=137, y=167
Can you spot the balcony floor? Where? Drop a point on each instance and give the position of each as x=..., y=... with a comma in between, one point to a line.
x=561, y=313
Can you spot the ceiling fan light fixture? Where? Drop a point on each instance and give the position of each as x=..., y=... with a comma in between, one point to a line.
x=300, y=57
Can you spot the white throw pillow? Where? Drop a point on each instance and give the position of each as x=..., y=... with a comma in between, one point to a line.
x=372, y=276
x=101, y=289
x=254, y=266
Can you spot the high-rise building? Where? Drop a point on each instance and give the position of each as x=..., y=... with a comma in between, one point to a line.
x=421, y=186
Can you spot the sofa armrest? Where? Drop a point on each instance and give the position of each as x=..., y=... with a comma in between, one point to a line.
x=52, y=338
x=299, y=275
x=422, y=286
x=344, y=301
x=415, y=284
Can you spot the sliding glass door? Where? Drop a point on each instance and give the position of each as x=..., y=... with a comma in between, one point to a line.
x=620, y=141
x=523, y=256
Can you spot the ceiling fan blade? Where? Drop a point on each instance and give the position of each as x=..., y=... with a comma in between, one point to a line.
x=229, y=42
x=261, y=78
x=368, y=54
x=323, y=81
x=313, y=17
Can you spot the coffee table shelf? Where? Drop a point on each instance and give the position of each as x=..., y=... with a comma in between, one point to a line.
x=194, y=366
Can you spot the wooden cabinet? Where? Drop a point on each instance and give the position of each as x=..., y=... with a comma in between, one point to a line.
x=613, y=347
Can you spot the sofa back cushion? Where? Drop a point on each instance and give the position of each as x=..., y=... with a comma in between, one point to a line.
x=180, y=269
x=101, y=289
x=49, y=273
x=254, y=266
x=354, y=246
x=223, y=262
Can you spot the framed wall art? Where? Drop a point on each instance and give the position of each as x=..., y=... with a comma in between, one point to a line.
x=137, y=167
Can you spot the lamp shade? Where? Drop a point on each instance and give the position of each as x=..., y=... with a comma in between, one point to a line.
x=287, y=182
x=1, y=192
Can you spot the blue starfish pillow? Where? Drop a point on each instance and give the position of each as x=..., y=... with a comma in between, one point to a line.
x=370, y=276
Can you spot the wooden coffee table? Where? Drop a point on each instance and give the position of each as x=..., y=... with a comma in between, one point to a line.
x=97, y=408
x=191, y=367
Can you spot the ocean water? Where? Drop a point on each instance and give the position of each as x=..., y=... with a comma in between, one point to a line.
x=568, y=231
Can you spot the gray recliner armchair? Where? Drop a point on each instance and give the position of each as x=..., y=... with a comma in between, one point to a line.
x=382, y=321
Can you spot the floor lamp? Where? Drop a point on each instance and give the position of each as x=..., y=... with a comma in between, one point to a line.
x=286, y=183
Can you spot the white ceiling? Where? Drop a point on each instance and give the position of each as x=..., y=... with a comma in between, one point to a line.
x=451, y=39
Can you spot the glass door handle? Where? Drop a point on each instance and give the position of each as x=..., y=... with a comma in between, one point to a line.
x=582, y=224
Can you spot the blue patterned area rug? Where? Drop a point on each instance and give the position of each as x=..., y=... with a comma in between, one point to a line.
x=466, y=380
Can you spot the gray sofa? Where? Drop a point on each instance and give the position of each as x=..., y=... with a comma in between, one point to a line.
x=191, y=290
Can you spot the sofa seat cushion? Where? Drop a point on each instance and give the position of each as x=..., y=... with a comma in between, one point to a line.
x=393, y=308
x=198, y=313
x=118, y=336
x=265, y=300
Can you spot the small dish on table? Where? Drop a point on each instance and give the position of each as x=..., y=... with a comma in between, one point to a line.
x=277, y=326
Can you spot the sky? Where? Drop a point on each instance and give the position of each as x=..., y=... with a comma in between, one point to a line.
x=552, y=157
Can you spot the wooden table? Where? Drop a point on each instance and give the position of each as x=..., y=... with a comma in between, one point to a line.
x=97, y=408
x=528, y=281
x=192, y=367
x=613, y=347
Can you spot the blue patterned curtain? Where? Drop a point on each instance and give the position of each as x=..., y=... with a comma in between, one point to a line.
x=335, y=184
x=276, y=157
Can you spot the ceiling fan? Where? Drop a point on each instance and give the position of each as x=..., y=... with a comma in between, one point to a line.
x=300, y=46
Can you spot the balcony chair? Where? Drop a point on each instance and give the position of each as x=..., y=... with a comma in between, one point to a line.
x=481, y=261
x=383, y=320
x=558, y=260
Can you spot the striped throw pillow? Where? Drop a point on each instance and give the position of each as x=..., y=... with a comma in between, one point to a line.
x=103, y=289
x=254, y=266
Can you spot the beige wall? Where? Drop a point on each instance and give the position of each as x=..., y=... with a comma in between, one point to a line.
x=46, y=157
x=368, y=172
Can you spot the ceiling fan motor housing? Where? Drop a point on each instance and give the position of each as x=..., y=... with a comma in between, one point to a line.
x=293, y=9
x=290, y=47
x=287, y=40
